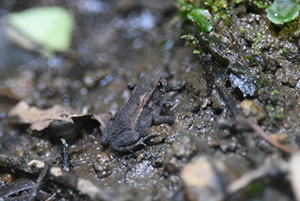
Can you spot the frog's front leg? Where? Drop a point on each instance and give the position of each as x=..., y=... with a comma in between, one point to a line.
x=127, y=141
x=157, y=120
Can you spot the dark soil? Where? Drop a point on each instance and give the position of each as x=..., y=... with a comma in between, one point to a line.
x=114, y=43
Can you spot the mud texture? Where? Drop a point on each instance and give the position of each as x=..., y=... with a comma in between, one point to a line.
x=207, y=148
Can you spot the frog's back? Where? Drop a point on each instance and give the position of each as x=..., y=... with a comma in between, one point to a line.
x=127, y=117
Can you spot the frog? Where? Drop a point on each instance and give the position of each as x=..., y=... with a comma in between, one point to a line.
x=127, y=131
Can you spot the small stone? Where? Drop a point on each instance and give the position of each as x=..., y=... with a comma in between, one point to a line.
x=212, y=142
x=21, y=153
x=184, y=120
x=279, y=137
x=103, y=158
x=160, y=132
x=205, y=179
x=36, y=163
x=102, y=170
x=102, y=165
x=6, y=178
x=249, y=108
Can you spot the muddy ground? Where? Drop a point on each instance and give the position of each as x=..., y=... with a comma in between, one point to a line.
x=197, y=158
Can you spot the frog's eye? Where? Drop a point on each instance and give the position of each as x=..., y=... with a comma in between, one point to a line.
x=159, y=86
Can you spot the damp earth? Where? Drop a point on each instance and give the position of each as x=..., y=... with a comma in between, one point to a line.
x=238, y=86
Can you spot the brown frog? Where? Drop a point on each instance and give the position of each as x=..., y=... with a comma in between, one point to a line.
x=128, y=130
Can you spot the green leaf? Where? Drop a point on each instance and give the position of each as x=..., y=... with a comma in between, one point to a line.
x=202, y=19
x=50, y=27
x=281, y=11
x=197, y=51
x=239, y=1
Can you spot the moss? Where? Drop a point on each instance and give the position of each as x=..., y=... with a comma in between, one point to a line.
x=242, y=30
x=275, y=116
x=218, y=7
x=255, y=47
x=260, y=4
x=279, y=114
x=191, y=40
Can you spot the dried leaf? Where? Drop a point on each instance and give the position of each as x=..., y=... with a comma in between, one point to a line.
x=41, y=119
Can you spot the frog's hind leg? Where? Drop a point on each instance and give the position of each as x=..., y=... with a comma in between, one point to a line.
x=128, y=141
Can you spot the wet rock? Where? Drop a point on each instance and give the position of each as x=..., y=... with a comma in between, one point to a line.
x=181, y=152
x=197, y=85
x=267, y=62
x=11, y=143
x=245, y=83
x=6, y=179
x=291, y=50
x=21, y=153
x=184, y=120
x=288, y=74
x=293, y=120
x=103, y=158
x=249, y=108
x=141, y=175
x=229, y=146
x=161, y=131
x=20, y=189
x=218, y=45
x=42, y=147
x=102, y=165
x=102, y=170
x=238, y=68
x=212, y=142
x=217, y=102
x=221, y=49
x=205, y=179
x=185, y=148
x=205, y=103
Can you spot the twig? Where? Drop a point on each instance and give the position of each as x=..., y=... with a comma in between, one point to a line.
x=241, y=119
x=55, y=174
x=39, y=182
x=272, y=141
x=52, y=197
x=16, y=163
x=269, y=169
x=65, y=162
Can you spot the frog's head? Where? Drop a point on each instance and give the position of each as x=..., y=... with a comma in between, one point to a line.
x=159, y=89
x=151, y=90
